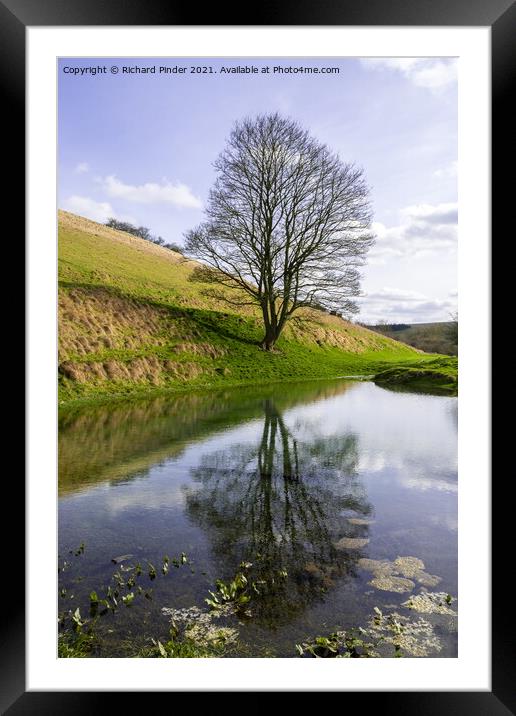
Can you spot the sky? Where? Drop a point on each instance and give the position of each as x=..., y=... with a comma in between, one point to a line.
x=140, y=147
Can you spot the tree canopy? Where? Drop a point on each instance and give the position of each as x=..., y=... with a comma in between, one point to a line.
x=287, y=223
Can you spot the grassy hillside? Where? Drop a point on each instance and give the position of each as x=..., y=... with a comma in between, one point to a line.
x=429, y=337
x=131, y=322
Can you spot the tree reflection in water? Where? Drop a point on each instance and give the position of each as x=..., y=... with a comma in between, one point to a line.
x=282, y=505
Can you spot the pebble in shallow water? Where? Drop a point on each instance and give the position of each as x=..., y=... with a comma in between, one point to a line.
x=351, y=543
x=390, y=583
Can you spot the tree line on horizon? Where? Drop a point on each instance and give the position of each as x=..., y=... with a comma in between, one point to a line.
x=439, y=337
x=143, y=233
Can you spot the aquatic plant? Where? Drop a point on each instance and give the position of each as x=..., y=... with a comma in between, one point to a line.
x=390, y=635
x=206, y=633
x=199, y=629
x=386, y=574
x=408, y=637
x=77, y=634
x=431, y=603
x=340, y=645
x=235, y=591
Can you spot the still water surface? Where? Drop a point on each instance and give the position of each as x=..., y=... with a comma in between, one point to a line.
x=269, y=475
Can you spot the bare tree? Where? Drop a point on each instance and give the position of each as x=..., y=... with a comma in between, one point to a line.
x=287, y=224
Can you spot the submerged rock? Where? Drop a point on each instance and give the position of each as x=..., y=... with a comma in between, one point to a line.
x=351, y=543
x=408, y=566
x=431, y=603
x=390, y=583
x=386, y=574
x=377, y=566
x=427, y=580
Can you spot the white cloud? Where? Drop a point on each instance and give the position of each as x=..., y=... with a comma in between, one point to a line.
x=396, y=294
x=82, y=168
x=396, y=305
x=178, y=194
x=432, y=213
x=99, y=211
x=449, y=172
x=434, y=73
x=424, y=229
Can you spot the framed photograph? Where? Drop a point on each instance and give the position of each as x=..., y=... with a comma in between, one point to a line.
x=251, y=405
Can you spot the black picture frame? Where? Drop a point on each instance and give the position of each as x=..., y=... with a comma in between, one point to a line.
x=500, y=16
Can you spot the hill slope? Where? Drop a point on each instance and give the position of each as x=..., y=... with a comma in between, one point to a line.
x=429, y=337
x=131, y=321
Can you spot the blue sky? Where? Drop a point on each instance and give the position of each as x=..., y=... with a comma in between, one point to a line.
x=141, y=147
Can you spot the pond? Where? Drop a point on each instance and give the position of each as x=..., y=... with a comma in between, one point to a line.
x=304, y=481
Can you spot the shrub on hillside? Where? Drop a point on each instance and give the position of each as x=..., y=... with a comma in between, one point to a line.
x=143, y=233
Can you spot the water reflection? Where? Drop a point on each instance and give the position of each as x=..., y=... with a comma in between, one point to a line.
x=282, y=504
x=272, y=476
x=124, y=441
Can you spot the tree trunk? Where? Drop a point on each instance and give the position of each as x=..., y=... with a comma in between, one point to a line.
x=271, y=329
x=268, y=341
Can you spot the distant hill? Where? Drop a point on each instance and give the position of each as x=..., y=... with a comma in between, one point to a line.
x=131, y=321
x=428, y=337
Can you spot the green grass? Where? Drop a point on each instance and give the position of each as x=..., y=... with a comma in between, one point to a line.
x=437, y=375
x=429, y=337
x=132, y=323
